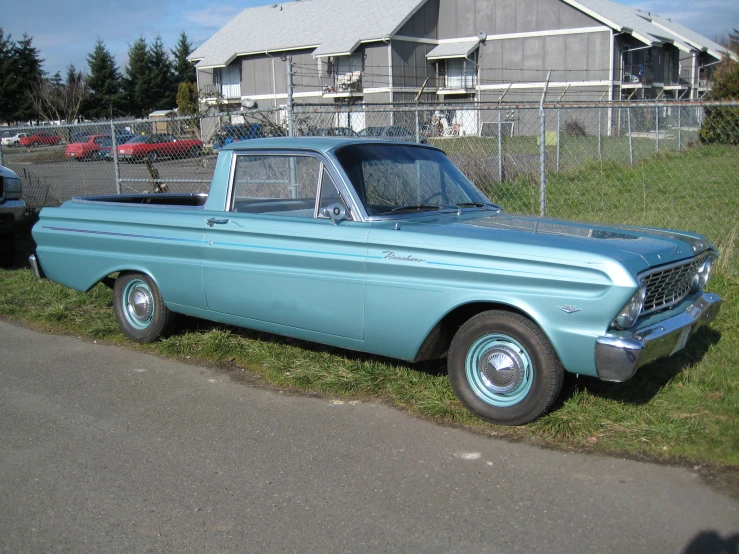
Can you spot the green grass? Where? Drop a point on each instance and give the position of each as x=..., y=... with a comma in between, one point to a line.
x=682, y=409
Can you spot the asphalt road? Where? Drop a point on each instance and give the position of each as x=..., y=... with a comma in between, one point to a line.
x=105, y=449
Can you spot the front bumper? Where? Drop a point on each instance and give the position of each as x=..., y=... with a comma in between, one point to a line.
x=618, y=358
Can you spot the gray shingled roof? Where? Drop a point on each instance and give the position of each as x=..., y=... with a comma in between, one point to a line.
x=330, y=26
x=690, y=36
x=643, y=27
x=453, y=50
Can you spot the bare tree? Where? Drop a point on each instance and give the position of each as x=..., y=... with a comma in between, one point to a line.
x=56, y=100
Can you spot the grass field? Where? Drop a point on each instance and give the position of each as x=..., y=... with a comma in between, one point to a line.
x=682, y=410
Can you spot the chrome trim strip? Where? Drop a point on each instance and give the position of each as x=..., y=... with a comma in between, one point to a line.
x=618, y=358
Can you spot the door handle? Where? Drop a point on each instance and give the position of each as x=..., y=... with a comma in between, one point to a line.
x=213, y=220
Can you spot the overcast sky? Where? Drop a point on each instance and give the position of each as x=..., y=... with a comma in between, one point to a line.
x=65, y=31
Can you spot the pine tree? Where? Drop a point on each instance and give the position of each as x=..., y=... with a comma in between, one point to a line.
x=138, y=79
x=6, y=50
x=105, y=85
x=184, y=70
x=163, y=95
x=22, y=70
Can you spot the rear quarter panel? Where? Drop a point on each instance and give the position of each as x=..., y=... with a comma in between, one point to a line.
x=80, y=243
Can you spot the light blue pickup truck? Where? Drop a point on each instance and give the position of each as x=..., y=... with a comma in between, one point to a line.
x=388, y=248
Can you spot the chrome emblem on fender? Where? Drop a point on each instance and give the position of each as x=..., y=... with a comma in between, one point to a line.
x=569, y=309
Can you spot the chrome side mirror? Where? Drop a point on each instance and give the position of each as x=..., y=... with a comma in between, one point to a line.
x=336, y=211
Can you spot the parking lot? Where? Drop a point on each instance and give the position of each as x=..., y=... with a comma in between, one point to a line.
x=49, y=178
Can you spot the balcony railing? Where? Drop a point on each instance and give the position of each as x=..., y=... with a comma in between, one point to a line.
x=637, y=74
x=458, y=81
x=339, y=83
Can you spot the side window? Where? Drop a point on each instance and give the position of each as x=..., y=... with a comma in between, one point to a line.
x=330, y=195
x=276, y=185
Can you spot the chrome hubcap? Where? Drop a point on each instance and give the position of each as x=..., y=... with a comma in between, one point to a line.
x=140, y=303
x=500, y=369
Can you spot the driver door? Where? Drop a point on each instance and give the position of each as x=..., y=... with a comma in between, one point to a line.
x=275, y=259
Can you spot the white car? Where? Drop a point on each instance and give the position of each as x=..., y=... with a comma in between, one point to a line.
x=15, y=140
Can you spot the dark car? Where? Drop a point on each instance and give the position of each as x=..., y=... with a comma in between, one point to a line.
x=244, y=131
x=331, y=132
x=390, y=132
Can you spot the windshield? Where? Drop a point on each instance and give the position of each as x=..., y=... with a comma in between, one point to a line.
x=397, y=178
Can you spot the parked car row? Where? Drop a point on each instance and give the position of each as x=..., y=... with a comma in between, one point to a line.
x=229, y=134
x=39, y=138
x=133, y=147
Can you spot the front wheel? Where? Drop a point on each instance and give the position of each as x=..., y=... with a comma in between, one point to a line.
x=139, y=308
x=503, y=368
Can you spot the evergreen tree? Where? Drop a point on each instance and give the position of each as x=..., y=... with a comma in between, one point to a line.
x=21, y=69
x=6, y=51
x=138, y=79
x=163, y=94
x=184, y=70
x=104, y=83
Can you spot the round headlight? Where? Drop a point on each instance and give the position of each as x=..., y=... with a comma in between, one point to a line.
x=701, y=277
x=631, y=311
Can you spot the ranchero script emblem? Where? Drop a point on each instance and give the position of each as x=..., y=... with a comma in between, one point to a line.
x=389, y=255
x=569, y=309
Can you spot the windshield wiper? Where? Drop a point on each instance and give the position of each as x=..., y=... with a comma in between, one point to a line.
x=477, y=205
x=414, y=207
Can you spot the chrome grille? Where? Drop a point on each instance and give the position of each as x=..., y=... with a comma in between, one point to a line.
x=668, y=285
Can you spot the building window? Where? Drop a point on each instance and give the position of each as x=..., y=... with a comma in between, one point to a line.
x=229, y=80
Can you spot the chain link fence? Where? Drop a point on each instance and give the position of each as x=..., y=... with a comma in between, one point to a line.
x=671, y=164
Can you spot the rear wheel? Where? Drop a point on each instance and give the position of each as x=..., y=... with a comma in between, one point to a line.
x=139, y=308
x=503, y=368
x=152, y=156
x=194, y=152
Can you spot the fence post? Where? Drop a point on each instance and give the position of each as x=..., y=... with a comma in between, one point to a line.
x=114, y=151
x=679, y=130
x=418, y=129
x=559, y=135
x=500, y=145
x=543, y=151
x=600, y=135
x=657, y=126
x=290, y=90
x=1, y=154
x=631, y=145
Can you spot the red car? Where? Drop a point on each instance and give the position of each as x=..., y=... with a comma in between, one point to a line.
x=40, y=138
x=87, y=147
x=153, y=147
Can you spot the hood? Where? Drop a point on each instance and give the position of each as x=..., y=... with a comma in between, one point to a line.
x=653, y=246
